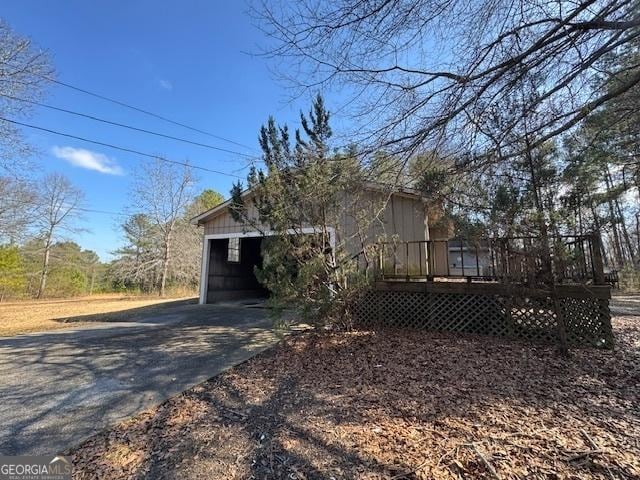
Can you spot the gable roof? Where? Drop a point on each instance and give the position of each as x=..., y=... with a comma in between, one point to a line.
x=370, y=186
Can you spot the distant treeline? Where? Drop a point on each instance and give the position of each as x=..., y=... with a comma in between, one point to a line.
x=136, y=268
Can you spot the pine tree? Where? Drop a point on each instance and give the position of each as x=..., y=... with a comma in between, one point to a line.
x=12, y=274
x=302, y=186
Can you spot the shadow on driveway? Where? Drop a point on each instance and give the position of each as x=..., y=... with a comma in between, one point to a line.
x=142, y=314
x=57, y=388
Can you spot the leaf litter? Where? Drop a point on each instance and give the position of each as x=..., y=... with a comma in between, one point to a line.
x=392, y=405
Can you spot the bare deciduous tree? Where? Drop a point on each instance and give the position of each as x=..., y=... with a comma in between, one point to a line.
x=188, y=240
x=163, y=192
x=428, y=73
x=138, y=260
x=59, y=201
x=23, y=73
x=17, y=205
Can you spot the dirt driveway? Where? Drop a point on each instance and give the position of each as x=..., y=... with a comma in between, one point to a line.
x=57, y=388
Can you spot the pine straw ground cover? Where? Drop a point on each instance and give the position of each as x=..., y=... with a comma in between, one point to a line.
x=401, y=405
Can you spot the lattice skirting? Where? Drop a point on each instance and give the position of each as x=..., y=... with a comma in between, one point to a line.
x=588, y=320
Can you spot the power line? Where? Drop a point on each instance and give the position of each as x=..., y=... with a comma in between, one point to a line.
x=106, y=212
x=132, y=107
x=130, y=127
x=116, y=147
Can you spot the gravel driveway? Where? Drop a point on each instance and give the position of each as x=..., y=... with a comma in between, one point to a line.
x=57, y=388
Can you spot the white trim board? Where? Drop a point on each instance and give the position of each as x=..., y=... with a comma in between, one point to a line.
x=204, y=270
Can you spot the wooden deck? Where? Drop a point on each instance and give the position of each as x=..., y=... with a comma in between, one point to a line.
x=510, y=260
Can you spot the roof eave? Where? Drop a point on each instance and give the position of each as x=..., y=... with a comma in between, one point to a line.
x=211, y=213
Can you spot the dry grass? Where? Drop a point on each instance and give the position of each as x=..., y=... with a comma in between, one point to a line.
x=40, y=315
x=392, y=405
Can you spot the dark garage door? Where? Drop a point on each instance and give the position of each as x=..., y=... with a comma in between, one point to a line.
x=229, y=279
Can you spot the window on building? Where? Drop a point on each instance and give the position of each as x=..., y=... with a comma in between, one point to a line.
x=233, y=253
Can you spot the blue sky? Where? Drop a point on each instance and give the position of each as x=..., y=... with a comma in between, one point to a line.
x=182, y=59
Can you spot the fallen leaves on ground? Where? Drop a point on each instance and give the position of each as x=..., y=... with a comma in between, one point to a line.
x=392, y=405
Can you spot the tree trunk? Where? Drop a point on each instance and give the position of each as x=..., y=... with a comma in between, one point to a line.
x=163, y=278
x=596, y=224
x=579, y=212
x=45, y=266
x=165, y=264
x=623, y=223
x=638, y=235
x=625, y=233
x=546, y=253
x=542, y=223
x=617, y=245
x=93, y=278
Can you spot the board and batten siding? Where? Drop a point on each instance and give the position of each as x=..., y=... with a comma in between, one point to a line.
x=225, y=224
x=403, y=217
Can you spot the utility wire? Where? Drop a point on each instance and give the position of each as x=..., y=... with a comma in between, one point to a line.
x=130, y=127
x=132, y=107
x=116, y=147
x=93, y=210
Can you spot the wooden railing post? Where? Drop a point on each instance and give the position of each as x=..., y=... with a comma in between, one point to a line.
x=596, y=259
x=431, y=262
x=447, y=252
x=407, y=261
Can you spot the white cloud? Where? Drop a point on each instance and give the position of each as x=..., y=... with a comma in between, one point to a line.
x=79, y=157
x=166, y=84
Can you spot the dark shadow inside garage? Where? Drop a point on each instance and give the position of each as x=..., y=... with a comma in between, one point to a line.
x=231, y=269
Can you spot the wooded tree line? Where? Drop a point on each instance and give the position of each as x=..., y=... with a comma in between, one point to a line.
x=161, y=249
x=585, y=180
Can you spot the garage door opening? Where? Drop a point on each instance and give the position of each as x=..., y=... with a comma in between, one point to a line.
x=230, y=273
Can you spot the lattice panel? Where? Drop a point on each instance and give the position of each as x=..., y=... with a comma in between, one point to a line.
x=587, y=320
x=533, y=318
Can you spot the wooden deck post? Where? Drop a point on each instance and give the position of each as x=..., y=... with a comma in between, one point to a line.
x=563, y=342
x=407, y=262
x=431, y=262
x=596, y=259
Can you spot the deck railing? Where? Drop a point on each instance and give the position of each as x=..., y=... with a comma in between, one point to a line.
x=527, y=260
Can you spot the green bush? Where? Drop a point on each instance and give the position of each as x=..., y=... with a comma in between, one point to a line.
x=12, y=273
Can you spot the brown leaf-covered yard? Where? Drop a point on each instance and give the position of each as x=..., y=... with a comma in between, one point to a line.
x=393, y=405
